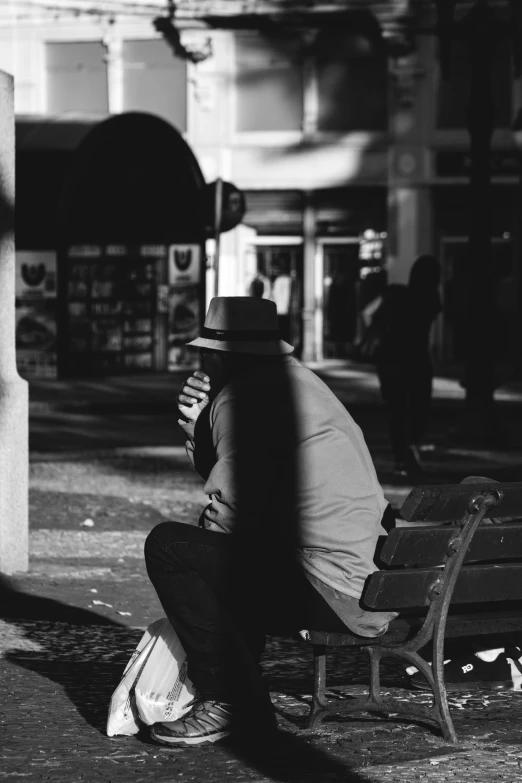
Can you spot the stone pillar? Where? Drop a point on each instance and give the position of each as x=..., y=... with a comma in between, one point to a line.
x=409, y=226
x=14, y=457
x=113, y=45
x=409, y=201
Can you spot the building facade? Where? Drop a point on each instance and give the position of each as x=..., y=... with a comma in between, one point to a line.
x=352, y=154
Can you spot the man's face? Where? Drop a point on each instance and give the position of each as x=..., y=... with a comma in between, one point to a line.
x=213, y=363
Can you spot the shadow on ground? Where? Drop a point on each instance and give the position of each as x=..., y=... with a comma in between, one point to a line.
x=66, y=662
x=85, y=653
x=66, y=644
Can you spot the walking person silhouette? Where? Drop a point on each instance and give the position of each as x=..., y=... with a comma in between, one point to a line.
x=404, y=364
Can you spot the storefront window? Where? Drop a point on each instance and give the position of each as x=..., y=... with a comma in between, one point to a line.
x=454, y=94
x=280, y=278
x=154, y=81
x=269, y=83
x=111, y=310
x=76, y=78
x=352, y=85
x=341, y=275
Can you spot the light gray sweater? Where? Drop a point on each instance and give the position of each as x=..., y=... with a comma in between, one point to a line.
x=285, y=450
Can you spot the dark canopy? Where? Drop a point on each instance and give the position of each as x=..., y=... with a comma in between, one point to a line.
x=130, y=178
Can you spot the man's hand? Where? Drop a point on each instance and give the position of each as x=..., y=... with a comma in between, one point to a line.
x=193, y=398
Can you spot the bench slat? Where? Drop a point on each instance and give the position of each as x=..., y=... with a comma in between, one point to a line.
x=403, y=627
x=427, y=546
x=449, y=502
x=405, y=589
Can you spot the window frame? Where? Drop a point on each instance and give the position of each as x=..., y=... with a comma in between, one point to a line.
x=309, y=130
x=259, y=138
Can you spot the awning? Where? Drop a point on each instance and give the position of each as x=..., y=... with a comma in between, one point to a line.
x=33, y=132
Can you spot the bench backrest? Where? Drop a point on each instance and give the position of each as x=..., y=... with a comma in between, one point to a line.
x=450, y=502
x=413, y=557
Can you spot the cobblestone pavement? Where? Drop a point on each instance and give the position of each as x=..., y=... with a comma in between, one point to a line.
x=58, y=677
x=62, y=654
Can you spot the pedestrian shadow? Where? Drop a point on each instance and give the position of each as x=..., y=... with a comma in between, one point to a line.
x=294, y=758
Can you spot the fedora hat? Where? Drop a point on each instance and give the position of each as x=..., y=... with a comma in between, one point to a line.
x=242, y=324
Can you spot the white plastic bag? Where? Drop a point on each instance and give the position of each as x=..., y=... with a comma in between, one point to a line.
x=123, y=715
x=163, y=690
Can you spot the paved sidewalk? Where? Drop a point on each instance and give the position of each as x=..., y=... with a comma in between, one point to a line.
x=130, y=415
x=109, y=452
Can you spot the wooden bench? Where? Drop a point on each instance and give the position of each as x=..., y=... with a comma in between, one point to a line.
x=459, y=562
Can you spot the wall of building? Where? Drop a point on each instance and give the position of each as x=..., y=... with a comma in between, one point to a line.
x=320, y=135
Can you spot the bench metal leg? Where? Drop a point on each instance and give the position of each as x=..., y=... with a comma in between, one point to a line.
x=437, y=712
x=374, y=695
x=439, y=686
x=319, y=706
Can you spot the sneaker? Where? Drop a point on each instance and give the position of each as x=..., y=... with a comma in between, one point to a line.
x=471, y=673
x=210, y=721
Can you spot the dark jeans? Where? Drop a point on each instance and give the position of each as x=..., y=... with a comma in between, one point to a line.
x=222, y=598
x=406, y=390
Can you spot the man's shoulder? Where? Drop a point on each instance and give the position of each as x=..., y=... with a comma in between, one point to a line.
x=307, y=376
x=258, y=381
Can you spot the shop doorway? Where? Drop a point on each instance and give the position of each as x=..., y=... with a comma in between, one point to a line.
x=450, y=334
x=338, y=268
x=280, y=278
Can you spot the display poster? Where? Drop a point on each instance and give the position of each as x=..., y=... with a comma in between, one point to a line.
x=35, y=290
x=184, y=264
x=184, y=322
x=184, y=278
x=163, y=299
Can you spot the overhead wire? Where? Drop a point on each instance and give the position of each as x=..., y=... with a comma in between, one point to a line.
x=82, y=5
x=24, y=9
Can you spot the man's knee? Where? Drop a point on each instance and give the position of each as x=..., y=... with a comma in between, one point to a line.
x=166, y=534
x=152, y=542
x=159, y=538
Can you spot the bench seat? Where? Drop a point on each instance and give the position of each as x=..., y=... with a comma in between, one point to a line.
x=403, y=628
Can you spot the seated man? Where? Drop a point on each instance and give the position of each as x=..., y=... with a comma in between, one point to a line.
x=288, y=538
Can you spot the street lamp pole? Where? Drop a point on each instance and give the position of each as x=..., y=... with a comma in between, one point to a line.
x=482, y=31
x=479, y=31
x=517, y=138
